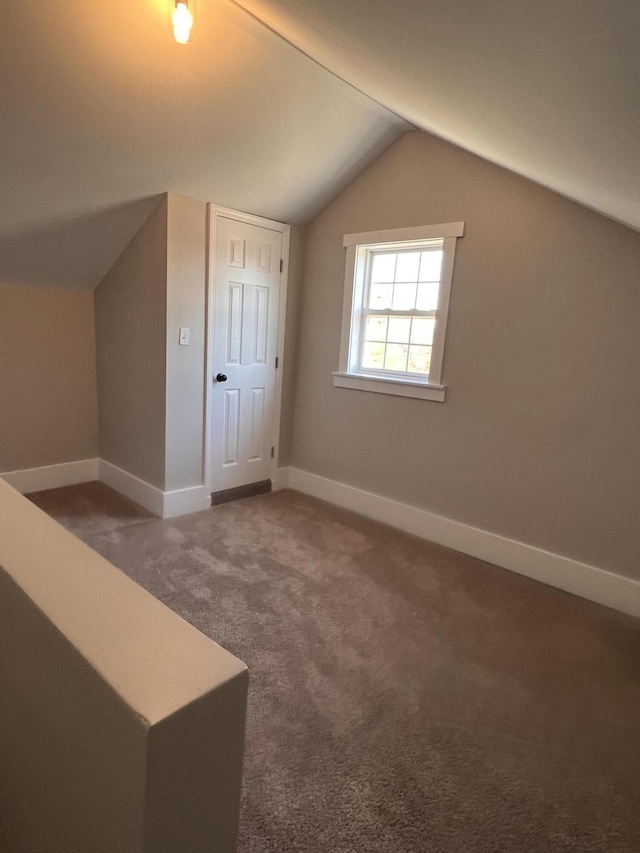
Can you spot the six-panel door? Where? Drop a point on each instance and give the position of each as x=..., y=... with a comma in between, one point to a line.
x=245, y=319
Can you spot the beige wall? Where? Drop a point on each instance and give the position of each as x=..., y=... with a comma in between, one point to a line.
x=54, y=785
x=48, y=409
x=538, y=437
x=128, y=733
x=186, y=306
x=186, y=300
x=130, y=312
x=151, y=390
x=290, y=362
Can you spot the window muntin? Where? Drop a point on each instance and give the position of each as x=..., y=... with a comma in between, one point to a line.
x=398, y=314
x=396, y=302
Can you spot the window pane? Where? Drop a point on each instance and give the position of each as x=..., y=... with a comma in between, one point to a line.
x=380, y=295
x=419, y=360
x=373, y=356
x=384, y=267
x=430, y=266
x=428, y=296
x=407, y=266
x=396, y=357
x=376, y=329
x=404, y=296
x=422, y=330
x=399, y=330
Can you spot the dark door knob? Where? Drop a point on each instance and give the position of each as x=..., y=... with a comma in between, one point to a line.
x=221, y=377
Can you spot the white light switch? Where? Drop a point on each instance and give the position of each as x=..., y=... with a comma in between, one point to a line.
x=184, y=337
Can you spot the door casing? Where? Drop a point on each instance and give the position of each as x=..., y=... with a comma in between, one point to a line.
x=213, y=212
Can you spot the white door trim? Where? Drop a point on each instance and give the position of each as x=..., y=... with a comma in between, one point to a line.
x=213, y=212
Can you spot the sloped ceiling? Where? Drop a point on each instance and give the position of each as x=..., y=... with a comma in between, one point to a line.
x=546, y=88
x=101, y=111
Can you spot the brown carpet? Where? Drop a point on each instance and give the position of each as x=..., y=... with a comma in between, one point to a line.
x=404, y=698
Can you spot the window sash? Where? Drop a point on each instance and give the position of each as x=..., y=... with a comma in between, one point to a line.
x=395, y=374
x=397, y=312
x=361, y=316
x=361, y=251
x=413, y=375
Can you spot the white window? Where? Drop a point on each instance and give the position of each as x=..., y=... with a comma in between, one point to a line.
x=396, y=301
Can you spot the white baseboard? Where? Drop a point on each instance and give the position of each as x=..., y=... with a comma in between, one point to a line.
x=132, y=487
x=162, y=504
x=281, y=480
x=52, y=476
x=184, y=501
x=590, y=582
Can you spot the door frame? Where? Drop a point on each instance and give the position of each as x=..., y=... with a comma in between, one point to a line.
x=214, y=212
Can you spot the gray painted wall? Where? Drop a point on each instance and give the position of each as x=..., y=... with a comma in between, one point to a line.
x=69, y=744
x=186, y=306
x=186, y=301
x=538, y=437
x=130, y=315
x=290, y=362
x=48, y=407
x=151, y=389
x=127, y=734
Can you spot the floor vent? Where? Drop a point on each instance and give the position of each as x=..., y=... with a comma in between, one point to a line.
x=238, y=492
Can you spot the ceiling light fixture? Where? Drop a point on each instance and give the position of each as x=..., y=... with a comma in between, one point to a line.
x=182, y=20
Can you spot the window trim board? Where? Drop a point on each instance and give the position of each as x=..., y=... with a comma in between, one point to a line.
x=404, y=235
x=389, y=385
x=358, y=247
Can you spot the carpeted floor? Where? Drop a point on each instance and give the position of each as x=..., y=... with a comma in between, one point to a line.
x=404, y=698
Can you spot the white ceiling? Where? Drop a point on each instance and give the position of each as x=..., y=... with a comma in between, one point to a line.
x=101, y=111
x=546, y=88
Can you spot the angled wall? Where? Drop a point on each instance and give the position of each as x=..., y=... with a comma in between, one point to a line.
x=538, y=437
x=130, y=320
x=48, y=408
x=151, y=390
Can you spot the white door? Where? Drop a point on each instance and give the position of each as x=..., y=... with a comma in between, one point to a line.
x=245, y=331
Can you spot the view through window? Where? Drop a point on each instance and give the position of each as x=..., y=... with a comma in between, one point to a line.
x=396, y=304
x=400, y=310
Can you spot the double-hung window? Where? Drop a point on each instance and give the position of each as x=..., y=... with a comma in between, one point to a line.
x=396, y=302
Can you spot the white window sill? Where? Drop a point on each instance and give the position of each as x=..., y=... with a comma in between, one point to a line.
x=386, y=385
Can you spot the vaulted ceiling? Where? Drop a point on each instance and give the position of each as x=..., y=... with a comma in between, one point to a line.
x=100, y=110
x=547, y=88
